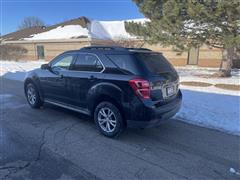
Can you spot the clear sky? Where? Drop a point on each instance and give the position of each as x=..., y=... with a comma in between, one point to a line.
x=55, y=11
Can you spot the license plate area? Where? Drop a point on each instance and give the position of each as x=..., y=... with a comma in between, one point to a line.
x=170, y=91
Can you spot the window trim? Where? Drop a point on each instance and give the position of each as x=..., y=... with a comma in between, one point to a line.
x=103, y=69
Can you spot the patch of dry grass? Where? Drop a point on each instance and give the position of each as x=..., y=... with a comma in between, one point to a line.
x=204, y=84
x=194, y=83
x=228, y=87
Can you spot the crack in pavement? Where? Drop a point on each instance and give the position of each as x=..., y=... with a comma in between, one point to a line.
x=15, y=169
x=8, y=171
x=139, y=174
x=150, y=162
x=214, y=170
x=67, y=129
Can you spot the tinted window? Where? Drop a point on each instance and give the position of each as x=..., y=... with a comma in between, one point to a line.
x=62, y=62
x=87, y=62
x=155, y=62
x=125, y=62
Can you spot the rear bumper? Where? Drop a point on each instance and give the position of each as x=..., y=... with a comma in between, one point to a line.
x=153, y=116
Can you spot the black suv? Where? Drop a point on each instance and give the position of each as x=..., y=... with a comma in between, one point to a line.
x=119, y=87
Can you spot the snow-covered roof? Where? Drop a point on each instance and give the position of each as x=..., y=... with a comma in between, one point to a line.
x=111, y=29
x=62, y=32
x=96, y=29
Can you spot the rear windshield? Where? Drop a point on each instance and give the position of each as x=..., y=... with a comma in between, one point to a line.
x=156, y=63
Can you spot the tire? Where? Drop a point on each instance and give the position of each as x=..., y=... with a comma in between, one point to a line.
x=32, y=96
x=112, y=117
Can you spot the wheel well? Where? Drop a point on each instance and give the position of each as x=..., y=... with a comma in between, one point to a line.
x=27, y=82
x=103, y=98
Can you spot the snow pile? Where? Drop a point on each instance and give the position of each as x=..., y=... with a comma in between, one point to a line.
x=217, y=111
x=111, y=29
x=211, y=89
x=62, y=32
x=18, y=70
x=233, y=171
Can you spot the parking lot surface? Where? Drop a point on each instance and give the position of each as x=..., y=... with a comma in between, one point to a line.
x=54, y=143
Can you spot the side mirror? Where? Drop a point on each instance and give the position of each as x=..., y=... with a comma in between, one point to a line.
x=45, y=66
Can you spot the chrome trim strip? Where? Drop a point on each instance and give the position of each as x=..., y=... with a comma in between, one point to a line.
x=69, y=70
x=68, y=107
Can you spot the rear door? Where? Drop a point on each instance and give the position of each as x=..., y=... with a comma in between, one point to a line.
x=86, y=71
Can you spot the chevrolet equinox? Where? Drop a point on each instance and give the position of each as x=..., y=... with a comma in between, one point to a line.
x=119, y=87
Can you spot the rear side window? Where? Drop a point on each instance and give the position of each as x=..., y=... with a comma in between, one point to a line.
x=87, y=62
x=156, y=63
x=125, y=62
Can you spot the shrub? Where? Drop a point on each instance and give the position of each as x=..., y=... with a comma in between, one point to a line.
x=12, y=52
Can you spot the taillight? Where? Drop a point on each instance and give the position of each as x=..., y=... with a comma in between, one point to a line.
x=141, y=87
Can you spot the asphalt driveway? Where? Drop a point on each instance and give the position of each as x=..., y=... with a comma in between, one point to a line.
x=54, y=143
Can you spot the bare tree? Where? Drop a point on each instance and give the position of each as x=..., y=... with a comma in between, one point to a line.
x=0, y=38
x=30, y=21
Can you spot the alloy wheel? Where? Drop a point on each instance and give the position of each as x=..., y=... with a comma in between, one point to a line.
x=31, y=94
x=107, y=120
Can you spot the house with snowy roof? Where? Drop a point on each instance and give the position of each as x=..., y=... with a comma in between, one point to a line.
x=48, y=42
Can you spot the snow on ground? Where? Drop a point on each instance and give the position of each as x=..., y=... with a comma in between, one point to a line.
x=197, y=74
x=111, y=29
x=62, y=32
x=212, y=110
x=200, y=74
x=17, y=70
x=208, y=107
x=211, y=89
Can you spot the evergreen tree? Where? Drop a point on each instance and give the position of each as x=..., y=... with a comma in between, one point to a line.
x=191, y=23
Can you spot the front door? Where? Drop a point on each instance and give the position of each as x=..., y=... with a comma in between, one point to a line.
x=193, y=56
x=55, y=81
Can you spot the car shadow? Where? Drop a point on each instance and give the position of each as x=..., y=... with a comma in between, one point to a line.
x=127, y=132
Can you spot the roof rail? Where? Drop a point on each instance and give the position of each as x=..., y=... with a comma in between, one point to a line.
x=103, y=48
x=114, y=48
x=139, y=49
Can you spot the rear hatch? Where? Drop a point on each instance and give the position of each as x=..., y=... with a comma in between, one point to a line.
x=163, y=78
